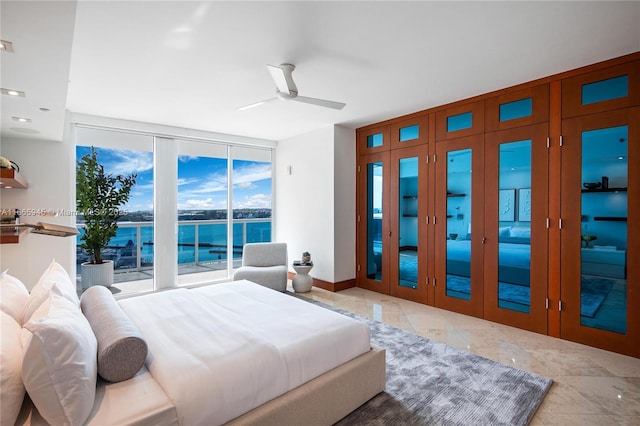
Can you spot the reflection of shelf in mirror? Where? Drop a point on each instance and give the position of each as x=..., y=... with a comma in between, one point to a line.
x=605, y=190
x=409, y=215
x=452, y=194
x=610, y=218
x=410, y=197
x=449, y=216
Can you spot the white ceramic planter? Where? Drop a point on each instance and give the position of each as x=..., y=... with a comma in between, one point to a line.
x=101, y=274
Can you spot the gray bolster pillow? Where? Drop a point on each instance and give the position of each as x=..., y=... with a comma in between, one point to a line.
x=121, y=349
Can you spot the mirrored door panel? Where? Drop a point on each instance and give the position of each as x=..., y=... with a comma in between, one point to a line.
x=374, y=221
x=409, y=254
x=516, y=188
x=603, y=260
x=458, y=224
x=599, y=245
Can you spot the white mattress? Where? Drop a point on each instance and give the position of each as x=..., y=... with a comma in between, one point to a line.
x=222, y=350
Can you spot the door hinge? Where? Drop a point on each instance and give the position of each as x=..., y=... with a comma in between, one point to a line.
x=427, y=159
x=560, y=223
x=546, y=303
x=484, y=240
x=358, y=168
x=548, y=223
x=560, y=305
x=548, y=142
x=561, y=141
x=358, y=267
x=358, y=218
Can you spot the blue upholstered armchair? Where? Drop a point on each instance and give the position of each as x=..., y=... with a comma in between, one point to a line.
x=265, y=264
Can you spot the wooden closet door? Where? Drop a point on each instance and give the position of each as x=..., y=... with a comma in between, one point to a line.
x=459, y=225
x=600, y=242
x=373, y=222
x=515, y=229
x=409, y=248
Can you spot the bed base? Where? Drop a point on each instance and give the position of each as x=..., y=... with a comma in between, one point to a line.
x=327, y=398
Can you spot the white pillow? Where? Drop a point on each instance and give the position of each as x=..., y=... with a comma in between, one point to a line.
x=13, y=296
x=54, y=280
x=11, y=387
x=521, y=232
x=59, y=367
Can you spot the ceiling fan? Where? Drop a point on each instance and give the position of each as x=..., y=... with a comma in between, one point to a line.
x=287, y=90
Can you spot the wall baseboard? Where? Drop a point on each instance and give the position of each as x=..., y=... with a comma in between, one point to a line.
x=329, y=286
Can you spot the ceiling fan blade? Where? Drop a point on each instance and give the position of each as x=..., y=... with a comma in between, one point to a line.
x=320, y=102
x=256, y=104
x=280, y=78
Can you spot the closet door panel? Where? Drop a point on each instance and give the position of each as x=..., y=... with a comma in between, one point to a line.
x=600, y=244
x=408, y=243
x=459, y=225
x=373, y=221
x=516, y=240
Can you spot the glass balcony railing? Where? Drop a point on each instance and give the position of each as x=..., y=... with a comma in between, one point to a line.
x=201, y=244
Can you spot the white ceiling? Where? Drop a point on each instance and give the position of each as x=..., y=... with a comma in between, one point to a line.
x=191, y=64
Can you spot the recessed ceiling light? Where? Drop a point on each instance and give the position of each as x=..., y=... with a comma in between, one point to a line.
x=12, y=92
x=22, y=119
x=621, y=158
x=6, y=46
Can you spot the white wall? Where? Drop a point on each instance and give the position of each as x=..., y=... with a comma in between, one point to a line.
x=48, y=167
x=314, y=205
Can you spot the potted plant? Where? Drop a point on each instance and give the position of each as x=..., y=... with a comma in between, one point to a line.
x=306, y=257
x=99, y=198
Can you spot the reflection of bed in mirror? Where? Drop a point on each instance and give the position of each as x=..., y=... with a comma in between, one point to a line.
x=514, y=259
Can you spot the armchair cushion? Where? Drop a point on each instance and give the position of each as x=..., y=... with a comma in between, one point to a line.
x=265, y=264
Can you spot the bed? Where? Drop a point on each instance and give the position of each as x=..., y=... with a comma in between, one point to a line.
x=236, y=353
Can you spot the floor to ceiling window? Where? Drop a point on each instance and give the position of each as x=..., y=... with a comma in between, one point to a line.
x=210, y=177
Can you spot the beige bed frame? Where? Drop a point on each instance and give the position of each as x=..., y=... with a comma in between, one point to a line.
x=321, y=401
x=326, y=399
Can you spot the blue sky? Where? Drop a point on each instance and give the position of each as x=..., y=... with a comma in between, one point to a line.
x=202, y=181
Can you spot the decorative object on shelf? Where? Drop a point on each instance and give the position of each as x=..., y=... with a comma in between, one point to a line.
x=5, y=163
x=453, y=236
x=306, y=257
x=587, y=240
x=99, y=196
x=592, y=185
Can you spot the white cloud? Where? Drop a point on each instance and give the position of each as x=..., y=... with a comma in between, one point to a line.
x=255, y=201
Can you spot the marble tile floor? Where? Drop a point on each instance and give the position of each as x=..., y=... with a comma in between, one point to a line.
x=591, y=386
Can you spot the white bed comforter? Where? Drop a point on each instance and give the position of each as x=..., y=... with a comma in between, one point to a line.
x=220, y=351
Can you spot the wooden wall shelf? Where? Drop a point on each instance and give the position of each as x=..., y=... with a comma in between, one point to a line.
x=10, y=178
x=12, y=236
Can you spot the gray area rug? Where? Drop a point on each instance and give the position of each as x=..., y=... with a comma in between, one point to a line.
x=430, y=383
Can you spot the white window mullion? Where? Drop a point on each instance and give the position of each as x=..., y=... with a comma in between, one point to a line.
x=165, y=232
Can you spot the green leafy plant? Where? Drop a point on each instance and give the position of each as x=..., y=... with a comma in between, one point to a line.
x=306, y=254
x=99, y=196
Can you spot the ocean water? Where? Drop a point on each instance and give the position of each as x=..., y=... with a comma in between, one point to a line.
x=212, y=242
